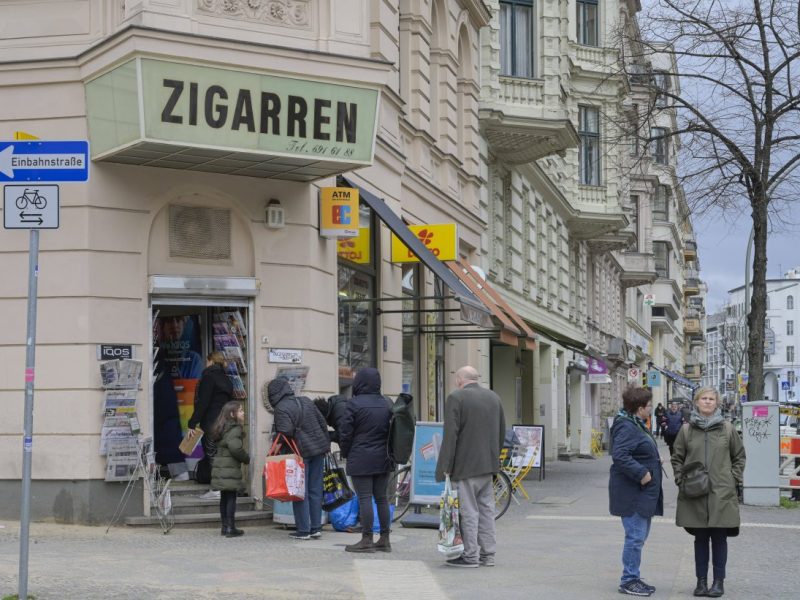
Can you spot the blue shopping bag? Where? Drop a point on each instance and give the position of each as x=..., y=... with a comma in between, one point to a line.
x=345, y=517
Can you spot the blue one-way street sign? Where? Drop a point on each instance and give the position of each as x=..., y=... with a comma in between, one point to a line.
x=44, y=161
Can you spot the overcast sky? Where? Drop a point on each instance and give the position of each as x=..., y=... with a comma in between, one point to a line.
x=721, y=246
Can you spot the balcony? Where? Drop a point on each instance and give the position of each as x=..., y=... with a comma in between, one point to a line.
x=691, y=326
x=638, y=268
x=693, y=371
x=696, y=339
x=597, y=215
x=689, y=250
x=518, y=127
x=691, y=286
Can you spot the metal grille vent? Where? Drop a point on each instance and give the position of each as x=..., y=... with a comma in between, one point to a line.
x=199, y=232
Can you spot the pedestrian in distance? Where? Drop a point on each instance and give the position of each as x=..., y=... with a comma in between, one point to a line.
x=674, y=420
x=712, y=517
x=214, y=390
x=634, y=487
x=474, y=430
x=296, y=417
x=660, y=413
x=363, y=437
x=332, y=409
x=226, y=469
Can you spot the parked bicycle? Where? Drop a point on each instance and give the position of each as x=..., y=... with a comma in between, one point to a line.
x=400, y=492
x=32, y=198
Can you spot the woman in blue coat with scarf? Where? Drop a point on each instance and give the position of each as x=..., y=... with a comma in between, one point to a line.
x=634, y=488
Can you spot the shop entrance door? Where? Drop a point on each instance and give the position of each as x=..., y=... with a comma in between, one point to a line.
x=184, y=332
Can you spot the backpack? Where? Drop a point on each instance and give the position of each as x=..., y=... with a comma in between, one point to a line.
x=401, y=429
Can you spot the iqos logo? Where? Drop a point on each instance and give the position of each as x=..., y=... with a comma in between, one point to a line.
x=114, y=351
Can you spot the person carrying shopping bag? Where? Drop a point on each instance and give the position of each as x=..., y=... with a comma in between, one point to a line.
x=474, y=430
x=297, y=417
x=363, y=436
x=634, y=485
x=708, y=462
x=226, y=469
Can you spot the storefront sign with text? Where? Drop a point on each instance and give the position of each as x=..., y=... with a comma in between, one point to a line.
x=441, y=240
x=338, y=212
x=355, y=249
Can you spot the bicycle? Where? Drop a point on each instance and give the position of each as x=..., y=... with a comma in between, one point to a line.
x=31, y=197
x=400, y=492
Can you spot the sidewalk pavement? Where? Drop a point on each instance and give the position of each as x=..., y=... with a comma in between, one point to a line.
x=561, y=544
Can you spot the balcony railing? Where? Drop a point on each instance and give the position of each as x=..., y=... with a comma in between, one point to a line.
x=689, y=250
x=691, y=326
x=526, y=92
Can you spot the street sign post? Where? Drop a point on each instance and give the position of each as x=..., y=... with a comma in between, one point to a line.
x=44, y=161
x=35, y=207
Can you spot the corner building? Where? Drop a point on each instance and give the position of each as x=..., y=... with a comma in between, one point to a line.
x=212, y=126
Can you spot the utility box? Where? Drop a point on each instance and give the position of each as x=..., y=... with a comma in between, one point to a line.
x=761, y=435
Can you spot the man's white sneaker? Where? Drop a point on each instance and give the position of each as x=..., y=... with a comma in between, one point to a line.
x=210, y=495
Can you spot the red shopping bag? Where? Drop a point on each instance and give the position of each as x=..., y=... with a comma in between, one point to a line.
x=284, y=474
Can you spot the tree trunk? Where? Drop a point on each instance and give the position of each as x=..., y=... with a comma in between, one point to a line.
x=758, y=302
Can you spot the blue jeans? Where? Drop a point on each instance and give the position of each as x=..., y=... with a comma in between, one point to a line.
x=637, y=529
x=308, y=512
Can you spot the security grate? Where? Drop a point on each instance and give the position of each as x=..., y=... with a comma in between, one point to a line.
x=199, y=232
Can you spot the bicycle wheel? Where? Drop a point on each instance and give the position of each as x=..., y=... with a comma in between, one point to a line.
x=38, y=201
x=502, y=494
x=399, y=491
x=22, y=202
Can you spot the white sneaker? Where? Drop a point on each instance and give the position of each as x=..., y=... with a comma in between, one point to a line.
x=210, y=495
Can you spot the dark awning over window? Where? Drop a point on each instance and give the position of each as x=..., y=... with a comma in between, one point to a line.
x=677, y=378
x=395, y=224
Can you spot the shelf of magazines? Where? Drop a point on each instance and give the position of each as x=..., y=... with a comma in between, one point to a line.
x=230, y=338
x=119, y=435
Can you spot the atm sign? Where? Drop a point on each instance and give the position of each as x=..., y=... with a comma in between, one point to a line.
x=441, y=240
x=338, y=212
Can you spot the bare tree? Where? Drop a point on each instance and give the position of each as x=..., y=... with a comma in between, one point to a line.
x=738, y=107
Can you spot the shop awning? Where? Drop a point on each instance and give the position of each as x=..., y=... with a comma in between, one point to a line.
x=514, y=329
x=676, y=378
x=473, y=309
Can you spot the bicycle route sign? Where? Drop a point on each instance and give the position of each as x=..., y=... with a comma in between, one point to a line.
x=44, y=161
x=30, y=206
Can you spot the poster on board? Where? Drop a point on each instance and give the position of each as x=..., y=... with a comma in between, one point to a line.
x=427, y=443
x=532, y=437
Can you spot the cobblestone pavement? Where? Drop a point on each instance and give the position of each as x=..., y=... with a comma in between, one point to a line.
x=561, y=544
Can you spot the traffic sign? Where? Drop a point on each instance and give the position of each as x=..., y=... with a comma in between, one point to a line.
x=785, y=385
x=633, y=374
x=44, y=161
x=30, y=207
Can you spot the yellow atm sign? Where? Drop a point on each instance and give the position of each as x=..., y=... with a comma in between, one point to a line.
x=441, y=240
x=338, y=212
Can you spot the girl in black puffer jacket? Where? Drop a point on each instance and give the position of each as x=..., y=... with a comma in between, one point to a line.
x=226, y=468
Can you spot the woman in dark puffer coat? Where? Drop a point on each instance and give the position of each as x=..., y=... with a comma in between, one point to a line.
x=363, y=437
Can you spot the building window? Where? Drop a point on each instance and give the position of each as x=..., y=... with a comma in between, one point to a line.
x=661, y=252
x=661, y=205
x=516, y=38
x=659, y=145
x=790, y=302
x=357, y=288
x=589, y=132
x=661, y=81
x=789, y=327
x=412, y=284
x=588, y=22
x=635, y=222
x=790, y=354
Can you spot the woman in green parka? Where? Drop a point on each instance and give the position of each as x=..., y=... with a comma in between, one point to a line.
x=711, y=440
x=226, y=468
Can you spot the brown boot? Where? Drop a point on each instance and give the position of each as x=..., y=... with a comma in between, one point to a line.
x=383, y=544
x=365, y=545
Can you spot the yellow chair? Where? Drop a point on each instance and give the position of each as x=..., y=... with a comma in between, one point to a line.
x=517, y=462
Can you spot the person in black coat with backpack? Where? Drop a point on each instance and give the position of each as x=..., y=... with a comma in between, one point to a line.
x=363, y=439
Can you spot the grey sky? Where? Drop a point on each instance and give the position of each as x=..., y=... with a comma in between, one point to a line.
x=721, y=246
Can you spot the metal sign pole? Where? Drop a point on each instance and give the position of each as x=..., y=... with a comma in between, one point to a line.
x=27, y=435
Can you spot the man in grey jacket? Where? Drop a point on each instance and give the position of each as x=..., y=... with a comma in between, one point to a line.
x=474, y=427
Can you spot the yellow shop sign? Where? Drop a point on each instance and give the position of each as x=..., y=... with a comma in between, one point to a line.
x=355, y=249
x=338, y=212
x=441, y=240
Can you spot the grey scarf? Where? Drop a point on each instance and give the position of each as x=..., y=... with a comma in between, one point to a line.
x=705, y=423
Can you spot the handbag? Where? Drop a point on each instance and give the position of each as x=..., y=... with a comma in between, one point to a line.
x=335, y=489
x=450, y=541
x=284, y=474
x=695, y=482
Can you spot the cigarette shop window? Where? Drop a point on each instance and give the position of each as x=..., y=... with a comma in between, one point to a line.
x=357, y=284
x=411, y=334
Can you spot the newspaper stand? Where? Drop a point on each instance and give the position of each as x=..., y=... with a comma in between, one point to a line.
x=789, y=472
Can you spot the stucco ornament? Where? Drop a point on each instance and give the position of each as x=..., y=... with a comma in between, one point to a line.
x=291, y=13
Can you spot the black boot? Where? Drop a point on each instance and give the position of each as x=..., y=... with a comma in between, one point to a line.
x=716, y=589
x=383, y=544
x=702, y=587
x=365, y=545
